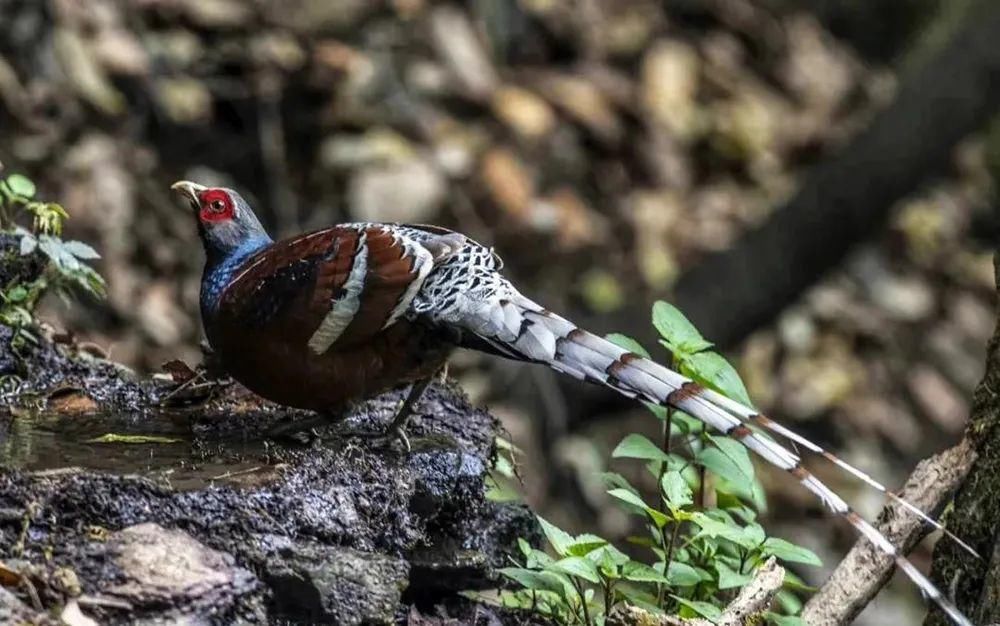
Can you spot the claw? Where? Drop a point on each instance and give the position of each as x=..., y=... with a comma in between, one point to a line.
x=385, y=438
x=398, y=434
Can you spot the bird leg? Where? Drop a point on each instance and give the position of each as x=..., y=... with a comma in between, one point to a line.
x=396, y=430
x=397, y=427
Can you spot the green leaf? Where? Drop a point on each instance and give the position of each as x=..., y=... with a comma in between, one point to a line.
x=615, y=480
x=21, y=186
x=56, y=210
x=18, y=293
x=576, y=566
x=524, y=546
x=635, y=446
x=80, y=250
x=642, y=573
x=730, y=578
x=539, y=581
x=784, y=620
x=679, y=335
x=682, y=574
x=585, y=544
x=659, y=412
x=710, y=368
x=705, y=609
x=737, y=467
x=639, y=597
x=686, y=424
x=757, y=495
x=787, y=551
x=608, y=568
x=789, y=602
x=731, y=503
x=657, y=517
x=55, y=250
x=500, y=490
x=729, y=498
x=675, y=463
x=559, y=539
x=646, y=542
x=755, y=533
x=609, y=555
x=503, y=466
x=538, y=559
x=631, y=497
x=714, y=460
x=713, y=528
x=50, y=247
x=676, y=490
x=624, y=341
x=794, y=583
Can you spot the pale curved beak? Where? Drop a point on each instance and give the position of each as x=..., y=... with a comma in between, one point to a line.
x=189, y=190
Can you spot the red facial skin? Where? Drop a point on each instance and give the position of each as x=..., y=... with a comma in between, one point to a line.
x=216, y=206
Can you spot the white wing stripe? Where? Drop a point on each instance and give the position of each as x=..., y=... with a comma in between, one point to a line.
x=346, y=307
x=423, y=263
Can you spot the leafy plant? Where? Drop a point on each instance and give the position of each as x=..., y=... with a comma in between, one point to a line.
x=63, y=263
x=701, y=534
x=502, y=480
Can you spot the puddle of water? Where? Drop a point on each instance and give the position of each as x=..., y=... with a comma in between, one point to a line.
x=49, y=443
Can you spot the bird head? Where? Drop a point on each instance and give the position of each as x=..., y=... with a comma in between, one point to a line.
x=225, y=221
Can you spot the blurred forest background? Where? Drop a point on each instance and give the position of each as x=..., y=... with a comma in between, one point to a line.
x=812, y=181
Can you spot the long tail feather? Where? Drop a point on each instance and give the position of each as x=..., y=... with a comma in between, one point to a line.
x=767, y=423
x=524, y=329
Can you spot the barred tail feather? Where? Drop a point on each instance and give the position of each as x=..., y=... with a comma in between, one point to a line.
x=767, y=423
x=525, y=330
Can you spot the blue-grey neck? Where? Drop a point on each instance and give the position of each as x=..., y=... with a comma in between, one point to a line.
x=220, y=267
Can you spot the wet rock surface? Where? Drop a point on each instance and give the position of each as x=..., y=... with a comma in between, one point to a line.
x=59, y=367
x=321, y=583
x=160, y=567
x=211, y=521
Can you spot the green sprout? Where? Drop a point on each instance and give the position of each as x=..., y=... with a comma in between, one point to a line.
x=64, y=265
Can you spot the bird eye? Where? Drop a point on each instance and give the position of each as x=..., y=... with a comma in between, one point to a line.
x=217, y=206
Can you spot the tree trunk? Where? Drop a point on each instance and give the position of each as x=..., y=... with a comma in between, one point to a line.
x=975, y=516
x=847, y=200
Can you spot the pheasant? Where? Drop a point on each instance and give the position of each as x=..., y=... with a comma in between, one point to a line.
x=337, y=315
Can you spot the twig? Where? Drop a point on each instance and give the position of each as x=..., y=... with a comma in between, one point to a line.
x=29, y=514
x=866, y=569
x=752, y=600
x=583, y=601
x=249, y=470
x=191, y=382
x=665, y=446
x=29, y=588
x=101, y=601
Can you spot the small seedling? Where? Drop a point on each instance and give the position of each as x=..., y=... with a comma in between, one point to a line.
x=63, y=266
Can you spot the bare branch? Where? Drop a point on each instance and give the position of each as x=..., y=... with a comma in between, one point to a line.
x=866, y=569
x=753, y=600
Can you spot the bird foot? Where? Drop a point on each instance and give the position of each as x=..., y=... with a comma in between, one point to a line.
x=386, y=438
x=301, y=431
